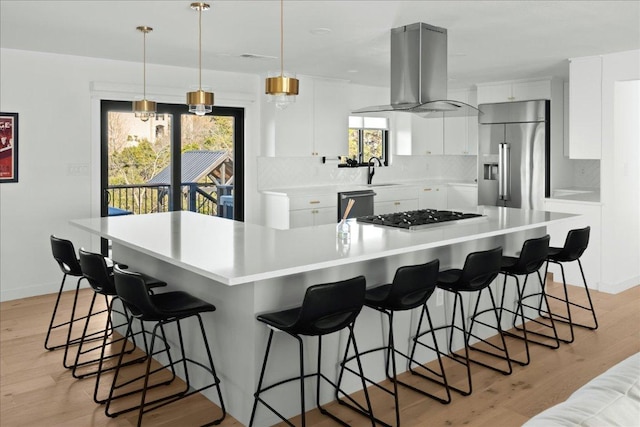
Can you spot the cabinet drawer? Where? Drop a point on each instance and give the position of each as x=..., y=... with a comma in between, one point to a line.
x=310, y=217
x=393, y=193
x=381, y=208
x=433, y=197
x=313, y=201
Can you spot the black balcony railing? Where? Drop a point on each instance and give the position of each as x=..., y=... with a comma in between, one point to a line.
x=145, y=198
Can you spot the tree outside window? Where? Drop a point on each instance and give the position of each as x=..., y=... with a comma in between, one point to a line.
x=368, y=138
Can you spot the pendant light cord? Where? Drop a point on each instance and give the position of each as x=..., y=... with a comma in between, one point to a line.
x=144, y=65
x=200, y=47
x=281, y=38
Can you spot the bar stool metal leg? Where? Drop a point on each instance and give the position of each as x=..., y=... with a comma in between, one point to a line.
x=575, y=244
x=70, y=322
x=161, y=309
x=326, y=308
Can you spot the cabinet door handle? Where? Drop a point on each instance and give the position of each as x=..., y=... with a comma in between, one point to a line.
x=426, y=189
x=314, y=202
x=314, y=211
x=396, y=203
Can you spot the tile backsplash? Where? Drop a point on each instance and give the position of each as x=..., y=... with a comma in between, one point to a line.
x=284, y=172
x=586, y=173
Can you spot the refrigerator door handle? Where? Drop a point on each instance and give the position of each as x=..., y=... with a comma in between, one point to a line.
x=504, y=168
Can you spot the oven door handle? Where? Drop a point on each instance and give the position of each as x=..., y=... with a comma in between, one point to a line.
x=355, y=195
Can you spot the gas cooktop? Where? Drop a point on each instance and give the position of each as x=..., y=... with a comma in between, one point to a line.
x=419, y=219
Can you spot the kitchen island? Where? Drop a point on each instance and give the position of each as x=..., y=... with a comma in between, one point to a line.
x=246, y=269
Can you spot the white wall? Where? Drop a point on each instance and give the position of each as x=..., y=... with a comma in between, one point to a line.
x=58, y=101
x=620, y=168
x=57, y=98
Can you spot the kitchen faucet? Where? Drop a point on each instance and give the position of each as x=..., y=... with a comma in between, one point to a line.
x=371, y=168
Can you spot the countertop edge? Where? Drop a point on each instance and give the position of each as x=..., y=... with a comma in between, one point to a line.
x=100, y=227
x=330, y=189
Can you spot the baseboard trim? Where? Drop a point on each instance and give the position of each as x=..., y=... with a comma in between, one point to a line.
x=37, y=290
x=616, y=288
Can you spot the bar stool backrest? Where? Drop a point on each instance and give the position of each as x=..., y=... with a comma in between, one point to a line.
x=413, y=285
x=330, y=307
x=575, y=244
x=480, y=268
x=133, y=291
x=533, y=255
x=94, y=268
x=65, y=255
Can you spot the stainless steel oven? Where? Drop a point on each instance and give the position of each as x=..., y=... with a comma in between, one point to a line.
x=363, y=203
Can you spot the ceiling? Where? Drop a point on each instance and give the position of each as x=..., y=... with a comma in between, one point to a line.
x=488, y=40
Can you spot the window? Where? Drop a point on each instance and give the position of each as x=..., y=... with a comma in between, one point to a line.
x=172, y=162
x=368, y=137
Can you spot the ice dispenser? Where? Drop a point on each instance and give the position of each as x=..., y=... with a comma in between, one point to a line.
x=491, y=171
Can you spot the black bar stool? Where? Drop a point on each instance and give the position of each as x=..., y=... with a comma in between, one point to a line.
x=161, y=309
x=479, y=270
x=411, y=288
x=101, y=278
x=574, y=246
x=326, y=308
x=532, y=257
x=65, y=255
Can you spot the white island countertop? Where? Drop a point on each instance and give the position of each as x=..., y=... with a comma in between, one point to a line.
x=233, y=252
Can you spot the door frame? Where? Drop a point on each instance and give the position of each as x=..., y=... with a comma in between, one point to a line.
x=176, y=128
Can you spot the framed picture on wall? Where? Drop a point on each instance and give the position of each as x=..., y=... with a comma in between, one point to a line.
x=8, y=147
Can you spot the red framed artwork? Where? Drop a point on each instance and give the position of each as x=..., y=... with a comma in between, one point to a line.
x=8, y=147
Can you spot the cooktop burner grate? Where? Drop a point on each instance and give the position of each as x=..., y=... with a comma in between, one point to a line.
x=418, y=219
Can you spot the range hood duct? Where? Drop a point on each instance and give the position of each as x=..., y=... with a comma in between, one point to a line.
x=419, y=73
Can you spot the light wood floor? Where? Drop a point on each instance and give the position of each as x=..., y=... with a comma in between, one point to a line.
x=36, y=390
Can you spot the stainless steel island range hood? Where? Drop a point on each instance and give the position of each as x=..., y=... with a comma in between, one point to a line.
x=419, y=73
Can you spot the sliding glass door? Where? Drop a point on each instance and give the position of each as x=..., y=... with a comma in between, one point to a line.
x=176, y=161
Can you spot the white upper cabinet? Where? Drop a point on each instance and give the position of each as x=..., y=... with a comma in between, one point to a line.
x=330, y=119
x=585, y=108
x=461, y=133
x=514, y=91
x=539, y=89
x=433, y=134
x=427, y=134
x=316, y=124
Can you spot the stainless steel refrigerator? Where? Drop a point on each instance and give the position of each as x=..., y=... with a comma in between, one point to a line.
x=513, y=154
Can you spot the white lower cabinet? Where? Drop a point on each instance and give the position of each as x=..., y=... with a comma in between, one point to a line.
x=460, y=197
x=395, y=199
x=283, y=211
x=433, y=197
x=380, y=208
x=309, y=217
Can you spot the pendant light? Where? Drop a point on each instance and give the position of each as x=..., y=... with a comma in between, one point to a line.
x=144, y=109
x=200, y=102
x=282, y=88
